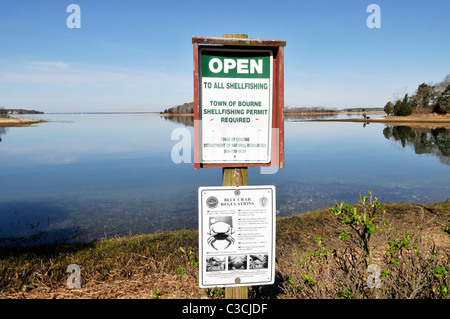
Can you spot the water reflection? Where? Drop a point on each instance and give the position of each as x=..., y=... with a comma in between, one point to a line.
x=185, y=120
x=433, y=141
x=297, y=117
x=2, y=131
x=189, y=120
x=69, y=180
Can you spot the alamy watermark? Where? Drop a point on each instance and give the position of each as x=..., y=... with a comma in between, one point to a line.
x=374, y=19
x=74, y=19
x=374, y=280
x=74, y=280
x=182, y=150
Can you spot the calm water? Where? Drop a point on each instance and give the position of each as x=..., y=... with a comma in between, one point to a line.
x=91, y=176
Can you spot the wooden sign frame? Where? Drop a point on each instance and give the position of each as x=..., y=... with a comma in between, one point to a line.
x=277, y=138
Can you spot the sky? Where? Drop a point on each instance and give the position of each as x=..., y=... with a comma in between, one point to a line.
x=137, y=55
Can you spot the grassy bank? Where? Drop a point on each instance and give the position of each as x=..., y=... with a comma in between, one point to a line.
x=419, y=120
x=312, y=260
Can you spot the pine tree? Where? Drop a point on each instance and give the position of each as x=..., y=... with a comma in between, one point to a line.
x=404, y=107
x=389, y=108
x=443, y=102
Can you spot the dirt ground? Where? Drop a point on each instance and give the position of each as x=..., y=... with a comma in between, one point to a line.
x=167, y=286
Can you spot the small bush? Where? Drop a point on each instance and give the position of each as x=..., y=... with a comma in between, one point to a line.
x=362, y=267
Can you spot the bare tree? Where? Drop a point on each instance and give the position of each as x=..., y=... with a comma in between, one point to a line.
x=399, y=93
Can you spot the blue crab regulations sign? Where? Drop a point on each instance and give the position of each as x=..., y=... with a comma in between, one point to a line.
x=236, y=236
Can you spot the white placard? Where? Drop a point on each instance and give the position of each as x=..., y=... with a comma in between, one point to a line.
x=235, y=106
x=236, y=236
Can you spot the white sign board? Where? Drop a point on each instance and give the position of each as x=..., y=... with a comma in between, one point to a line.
x=235, y=105
x=236, y=236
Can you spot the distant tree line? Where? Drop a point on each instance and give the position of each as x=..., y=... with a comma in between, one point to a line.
x=186, y=108
x=314, y=109
x=363, y=109
x=4, y=112
x=428, y=98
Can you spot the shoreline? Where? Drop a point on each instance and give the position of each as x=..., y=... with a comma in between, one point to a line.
x=16, y=121
x=148, y=265
x=285, y=113
x=430, y=121
x=428, y=118
x=431, y=118
x=169, y=115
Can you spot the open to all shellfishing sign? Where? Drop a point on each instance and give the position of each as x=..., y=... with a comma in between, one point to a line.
x=238, y=102
x=236, y=236
x=236, y=105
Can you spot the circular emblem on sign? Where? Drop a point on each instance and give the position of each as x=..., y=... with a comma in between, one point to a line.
x=237, y=280
x=263, y=201
x=212, y=202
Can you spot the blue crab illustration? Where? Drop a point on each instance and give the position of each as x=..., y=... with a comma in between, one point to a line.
x=220, y=231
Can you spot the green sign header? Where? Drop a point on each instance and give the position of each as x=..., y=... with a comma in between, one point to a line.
x=237, y=65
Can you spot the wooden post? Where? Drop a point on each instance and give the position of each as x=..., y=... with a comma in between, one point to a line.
x=229, y=178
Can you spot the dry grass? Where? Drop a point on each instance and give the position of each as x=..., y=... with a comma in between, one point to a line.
x=147, y=266
x=109, y=263
x=420, y=121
